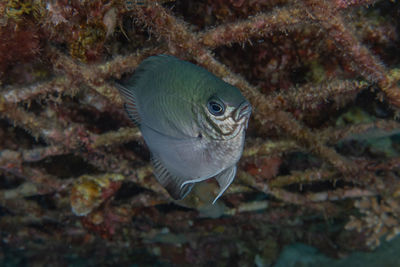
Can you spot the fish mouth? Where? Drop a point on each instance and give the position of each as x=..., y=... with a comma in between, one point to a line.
x=243, y=111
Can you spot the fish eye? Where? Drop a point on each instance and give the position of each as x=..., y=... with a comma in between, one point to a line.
x=215, y=107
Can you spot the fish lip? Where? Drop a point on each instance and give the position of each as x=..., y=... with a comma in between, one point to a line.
x=244, y=110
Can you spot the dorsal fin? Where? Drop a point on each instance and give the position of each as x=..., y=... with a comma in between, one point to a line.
x=130, y=104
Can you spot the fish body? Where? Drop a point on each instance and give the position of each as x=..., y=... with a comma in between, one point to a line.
x=193, y=122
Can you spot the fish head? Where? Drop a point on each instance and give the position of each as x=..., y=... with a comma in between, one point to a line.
x=225, y=112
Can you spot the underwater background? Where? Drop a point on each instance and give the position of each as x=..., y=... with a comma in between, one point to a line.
x=319, y=180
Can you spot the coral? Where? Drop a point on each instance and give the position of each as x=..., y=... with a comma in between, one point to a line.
x=321, y=150
x=17, y=10
x=88, y=42
x=381, y=219
x=89, y=192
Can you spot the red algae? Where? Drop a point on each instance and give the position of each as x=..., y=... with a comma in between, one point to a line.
x=312, y=170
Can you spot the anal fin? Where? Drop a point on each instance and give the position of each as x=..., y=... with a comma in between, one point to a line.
x=172, y=183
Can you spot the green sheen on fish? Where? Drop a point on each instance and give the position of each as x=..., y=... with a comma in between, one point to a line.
x=193, y=122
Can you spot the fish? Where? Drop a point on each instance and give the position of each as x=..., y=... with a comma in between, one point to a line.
x=193, y=122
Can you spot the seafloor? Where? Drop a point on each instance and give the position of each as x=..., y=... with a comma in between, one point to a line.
x=319, y=180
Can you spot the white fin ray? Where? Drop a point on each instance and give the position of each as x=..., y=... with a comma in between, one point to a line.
x=130, y=103
x=224, y=179
x=174, y=184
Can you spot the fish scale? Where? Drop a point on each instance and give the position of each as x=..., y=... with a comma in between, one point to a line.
x=192, y=122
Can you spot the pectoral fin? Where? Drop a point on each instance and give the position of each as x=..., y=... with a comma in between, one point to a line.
x=174, y=184
x=224, y=179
